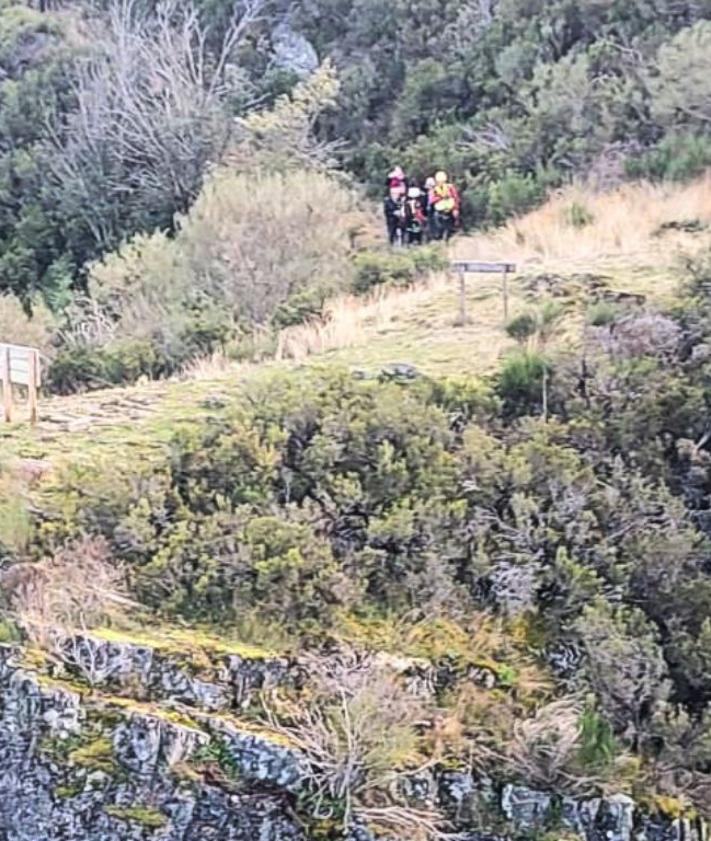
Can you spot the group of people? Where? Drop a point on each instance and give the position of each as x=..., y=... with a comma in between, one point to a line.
x=415, y=214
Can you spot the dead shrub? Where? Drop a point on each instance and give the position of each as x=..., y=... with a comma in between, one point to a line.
x=359, y=733
x=78, y=588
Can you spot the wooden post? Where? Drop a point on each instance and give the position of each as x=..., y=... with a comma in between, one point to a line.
x=505, y=292
x=462, y=320
x=6, y=385
x=32, y=381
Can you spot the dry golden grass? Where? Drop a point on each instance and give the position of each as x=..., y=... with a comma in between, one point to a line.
x=624, y=241
x=349, y=318
x=415, y=325
x=625, y=223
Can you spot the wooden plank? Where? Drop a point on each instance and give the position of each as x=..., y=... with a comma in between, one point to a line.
x=6, y=384
x=19, y=365
x=462, y=320
x=481, y=267
x=32, y=387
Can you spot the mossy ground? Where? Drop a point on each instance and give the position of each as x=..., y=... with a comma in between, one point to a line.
x=185, y=642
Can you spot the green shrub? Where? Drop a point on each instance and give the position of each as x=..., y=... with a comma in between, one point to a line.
x=9, y=632
x=602, y=313
x=81, y=367
x=400, y=268
x=522, y=327
x=677, y=157
x=513, y=195
x=519, y=382
x=597, y=741
x=578, y=216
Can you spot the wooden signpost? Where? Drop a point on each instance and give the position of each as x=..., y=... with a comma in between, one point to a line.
x=19, y=366
x=464, y=267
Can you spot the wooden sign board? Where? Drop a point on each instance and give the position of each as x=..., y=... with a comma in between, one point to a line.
x=19, y=366
x=478, y=267
x=464, y=267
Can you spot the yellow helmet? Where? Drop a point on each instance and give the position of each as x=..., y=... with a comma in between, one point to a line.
x=441, y=177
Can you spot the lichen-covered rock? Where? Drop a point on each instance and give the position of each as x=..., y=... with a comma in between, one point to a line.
x=614, y=820
x=45, y=795
x=102, y=662
x=525, y=807
x=246, y=676
x=168, y=680
x=262, y=758
x=293, y=51
x=152, y=673
x=145, y=744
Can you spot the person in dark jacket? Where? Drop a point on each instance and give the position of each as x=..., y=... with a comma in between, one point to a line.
x=415, y=216
x=394, y=205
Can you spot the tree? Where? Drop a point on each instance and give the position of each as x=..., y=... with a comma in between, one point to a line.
x=154, y=109
x=681, y=86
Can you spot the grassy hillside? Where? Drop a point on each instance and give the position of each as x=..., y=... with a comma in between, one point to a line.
x=524, y=529
x=635, y=240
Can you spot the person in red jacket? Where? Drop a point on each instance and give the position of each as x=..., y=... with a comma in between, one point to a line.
x=397, y=183
x=445, y=202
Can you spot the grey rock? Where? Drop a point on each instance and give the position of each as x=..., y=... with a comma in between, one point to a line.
x=261, y=759
x=514, y=586
x=293, y=51
x=145, y=744
x=102, y=662
x=418, y=789
x=399, y=372
x=614, y=820
x=701, y=353
x=525, y=807
x=248, y=676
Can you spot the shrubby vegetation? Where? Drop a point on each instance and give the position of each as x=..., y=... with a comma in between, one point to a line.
x=116, y=118
x=513, y=97
x=567, y=559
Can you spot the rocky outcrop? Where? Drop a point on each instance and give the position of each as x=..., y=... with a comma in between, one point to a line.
x=94, y=768
x=293, y=52
x=233, y=680
x=82, y=764
x=475, y=801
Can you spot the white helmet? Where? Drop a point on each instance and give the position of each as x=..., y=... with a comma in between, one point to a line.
x=414, y=193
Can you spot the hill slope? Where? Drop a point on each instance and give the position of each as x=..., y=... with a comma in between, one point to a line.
x=633, y=243
x=284, y=600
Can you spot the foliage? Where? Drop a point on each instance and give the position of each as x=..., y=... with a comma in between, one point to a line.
x=578, y=216
x=143, y=815
x=17, y=327
x=357, y=733
x=159, y=302
x=542, y=582
x=520, y=379
x=77, y=588
x=677, y=157
x=681, y=91
x=375, y=268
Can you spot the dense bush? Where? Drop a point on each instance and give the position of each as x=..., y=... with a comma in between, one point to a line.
x=255, y=252
x=400, y=268
x=569, y=557
x=677, y=157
